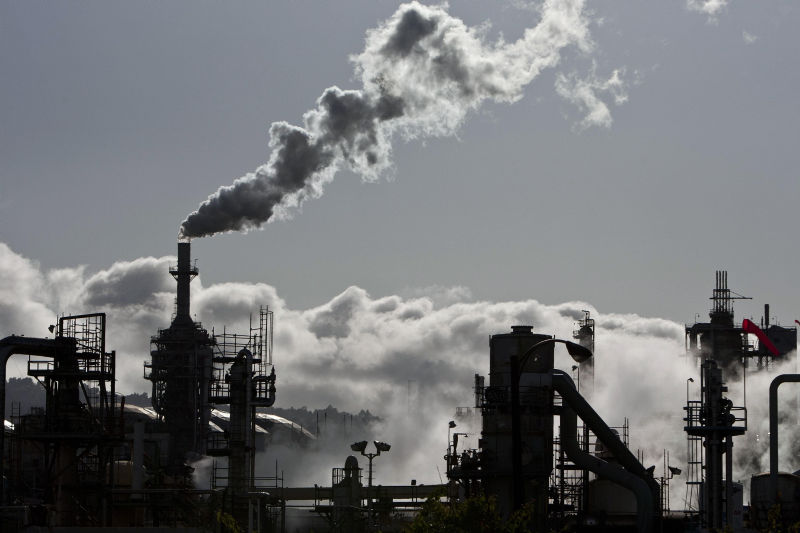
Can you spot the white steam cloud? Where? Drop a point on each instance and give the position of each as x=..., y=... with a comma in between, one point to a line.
x=583, y=92
x=408, y=359
x=712, y=8
x=422, y=71
x=749, y=38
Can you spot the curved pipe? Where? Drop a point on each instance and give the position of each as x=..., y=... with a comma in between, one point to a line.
x=23, y=345
x=773, y=430
x=645, y=488
x=582, y=459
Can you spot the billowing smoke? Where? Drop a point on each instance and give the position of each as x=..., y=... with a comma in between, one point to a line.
x=408, y=359
x=422, y=71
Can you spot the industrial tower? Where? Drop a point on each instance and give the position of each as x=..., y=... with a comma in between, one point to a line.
x=180, y=369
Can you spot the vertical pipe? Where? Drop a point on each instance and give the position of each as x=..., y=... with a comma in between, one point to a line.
x=516, y=436
x=773, y=430
x=5, y=353
x=728, y=480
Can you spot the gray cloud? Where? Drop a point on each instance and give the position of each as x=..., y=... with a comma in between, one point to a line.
x=129, y=283
x=421, y=71
x=24, y=308
x=334, y=319
x=411, y=29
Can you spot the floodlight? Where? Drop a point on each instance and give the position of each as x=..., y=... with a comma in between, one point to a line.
x=579, y=353
x=359, y=446
x=382, y=446
x=675, y=470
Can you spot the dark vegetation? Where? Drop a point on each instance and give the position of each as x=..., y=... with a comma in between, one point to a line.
x=473, y=515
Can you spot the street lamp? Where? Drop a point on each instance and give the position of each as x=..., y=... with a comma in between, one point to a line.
x=450, y=425
x=579, y=355
x=360, y=447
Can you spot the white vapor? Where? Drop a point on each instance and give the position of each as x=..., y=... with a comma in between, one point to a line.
x=584, y=94
x=408, y=359
x=712, y=8
x=421, y=72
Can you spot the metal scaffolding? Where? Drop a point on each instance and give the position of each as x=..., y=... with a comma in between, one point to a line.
x=74, y=437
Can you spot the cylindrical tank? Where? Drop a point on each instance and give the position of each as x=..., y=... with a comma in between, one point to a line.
x=536, y=419
x=761, y=501
x=609, y=499
x=502, y=346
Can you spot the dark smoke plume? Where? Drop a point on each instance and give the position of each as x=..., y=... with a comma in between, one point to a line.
x=422, y=71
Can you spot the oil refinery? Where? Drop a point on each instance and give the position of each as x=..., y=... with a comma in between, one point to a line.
x=88, y=461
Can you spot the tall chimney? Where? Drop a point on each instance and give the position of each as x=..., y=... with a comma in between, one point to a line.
x=184, y=274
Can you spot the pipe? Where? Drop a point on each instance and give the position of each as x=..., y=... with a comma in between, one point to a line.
x=563, y=383
x=773, y=430
x=23, y=345
x=582, y=459
x=517, y=488
x=644, y=487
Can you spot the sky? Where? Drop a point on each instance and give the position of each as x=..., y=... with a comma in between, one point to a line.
x=654, y=143
x=120, y=118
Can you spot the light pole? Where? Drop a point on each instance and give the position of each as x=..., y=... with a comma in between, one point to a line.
x=691, y=471
x=360, y=447
x=577, y=368
x=579, y=354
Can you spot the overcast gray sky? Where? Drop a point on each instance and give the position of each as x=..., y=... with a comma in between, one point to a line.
x=119, y=118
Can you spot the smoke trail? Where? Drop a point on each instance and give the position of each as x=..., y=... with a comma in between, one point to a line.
x=422, y=71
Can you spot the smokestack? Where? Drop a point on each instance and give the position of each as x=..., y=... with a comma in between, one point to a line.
x=184, y=274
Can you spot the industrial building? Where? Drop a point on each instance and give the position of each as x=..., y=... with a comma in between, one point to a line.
x=584, y=477
x=87, y=460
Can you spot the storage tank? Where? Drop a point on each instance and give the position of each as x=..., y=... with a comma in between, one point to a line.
x=536, y=420
x=761, y=500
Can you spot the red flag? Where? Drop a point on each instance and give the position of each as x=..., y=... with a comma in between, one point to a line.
x=749, y=327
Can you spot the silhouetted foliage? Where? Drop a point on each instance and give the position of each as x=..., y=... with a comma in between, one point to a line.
x=776, y=523
x=473, y=515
